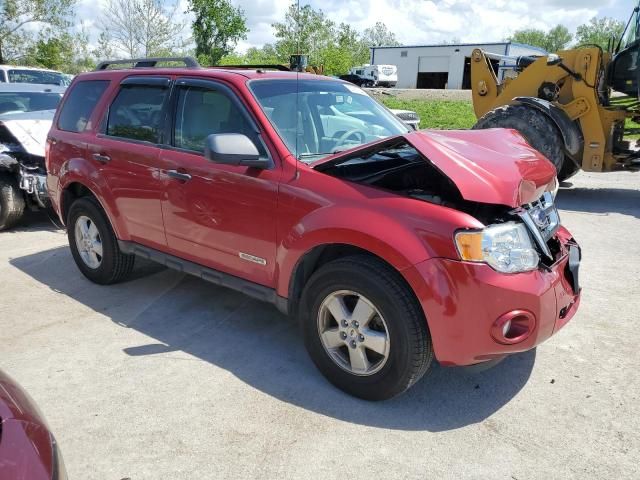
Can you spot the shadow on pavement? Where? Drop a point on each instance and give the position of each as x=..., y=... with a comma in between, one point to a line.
x=600, y=200
x=263, y=348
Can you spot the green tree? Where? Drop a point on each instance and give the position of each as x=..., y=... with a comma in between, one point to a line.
x=305, y=31
x=217, y=28
x=17, y=15
x=558, y=38
x=348, y=50
x=555, y=39
x=599, y=31
x=379, y=36
x=140, y=28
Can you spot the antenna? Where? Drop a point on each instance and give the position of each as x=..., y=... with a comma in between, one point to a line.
x=297, y=112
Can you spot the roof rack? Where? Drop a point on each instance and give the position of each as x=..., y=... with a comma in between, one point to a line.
x=150, y=62
x=256, y=66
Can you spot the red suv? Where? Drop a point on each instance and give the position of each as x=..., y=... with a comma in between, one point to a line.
x=390, y=246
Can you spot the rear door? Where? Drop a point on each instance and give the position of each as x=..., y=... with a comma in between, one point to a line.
x=221, y=216
x=128, y=150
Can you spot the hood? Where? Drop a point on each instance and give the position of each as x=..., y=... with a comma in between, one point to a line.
x=29, y=128
x=16, y=404
x=490, y=166
x=494, y=166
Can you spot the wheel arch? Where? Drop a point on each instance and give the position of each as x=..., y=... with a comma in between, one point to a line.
x=317, y=256
x=77, y=188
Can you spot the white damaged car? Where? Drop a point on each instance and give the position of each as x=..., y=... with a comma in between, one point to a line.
x=26, y=113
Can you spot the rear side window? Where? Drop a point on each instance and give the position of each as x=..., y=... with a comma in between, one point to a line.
x=79, y=105
x=136, y=112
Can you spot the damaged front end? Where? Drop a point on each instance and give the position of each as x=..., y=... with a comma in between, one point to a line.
x=495, y=178
x=22, y=138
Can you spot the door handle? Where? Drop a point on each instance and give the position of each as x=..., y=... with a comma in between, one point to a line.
x=179, y=175
x=101, y=158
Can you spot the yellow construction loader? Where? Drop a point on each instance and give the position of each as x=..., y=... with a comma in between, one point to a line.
x=571, y=105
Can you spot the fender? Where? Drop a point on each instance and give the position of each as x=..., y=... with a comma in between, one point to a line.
x=385, y=236
x=569, y=130
x=79, y=170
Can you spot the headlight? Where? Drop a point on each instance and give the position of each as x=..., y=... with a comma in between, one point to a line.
x=507, y=247
x=553, y=187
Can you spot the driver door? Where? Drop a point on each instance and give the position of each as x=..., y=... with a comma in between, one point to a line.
x=219, y=216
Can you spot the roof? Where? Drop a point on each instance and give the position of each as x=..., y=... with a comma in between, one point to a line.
x=463, y=45
x=22, y=67
x=213, y=72
x=30, y=88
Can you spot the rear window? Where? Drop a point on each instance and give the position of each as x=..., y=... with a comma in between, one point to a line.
x=35, y=76
x=28, y=101
x=136, y=113
x=80, y=103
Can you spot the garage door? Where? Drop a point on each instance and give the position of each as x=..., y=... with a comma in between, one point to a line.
x=433, y=64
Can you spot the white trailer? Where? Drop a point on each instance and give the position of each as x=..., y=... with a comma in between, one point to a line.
x=377, y=75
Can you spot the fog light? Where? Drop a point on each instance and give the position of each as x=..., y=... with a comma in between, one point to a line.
x=513, y=327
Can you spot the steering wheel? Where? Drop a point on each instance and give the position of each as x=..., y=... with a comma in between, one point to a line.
x=357, y=134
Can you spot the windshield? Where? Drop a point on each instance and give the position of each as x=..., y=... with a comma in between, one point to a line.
x=633, y=30
x=316, y=118
x=28, y=101
x=36, y=76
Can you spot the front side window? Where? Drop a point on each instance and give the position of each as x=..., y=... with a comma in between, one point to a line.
x=201, y=112
x=316, y=118
x=80, y=103
x=36, y=76
x=136, y=112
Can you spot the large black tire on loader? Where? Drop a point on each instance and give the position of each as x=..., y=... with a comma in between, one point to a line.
x=537, y=129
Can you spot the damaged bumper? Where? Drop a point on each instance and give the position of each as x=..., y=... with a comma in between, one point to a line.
x=476, y=314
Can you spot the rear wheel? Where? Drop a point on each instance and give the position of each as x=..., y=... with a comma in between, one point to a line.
x=11, y=202
x=537, y=129
x=364, y=329
x=94, y=245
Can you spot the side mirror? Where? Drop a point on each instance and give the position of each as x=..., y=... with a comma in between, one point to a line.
x=553, y=59
x=234, y=149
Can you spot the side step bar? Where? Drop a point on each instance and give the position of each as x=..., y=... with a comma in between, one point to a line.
x=253, y=290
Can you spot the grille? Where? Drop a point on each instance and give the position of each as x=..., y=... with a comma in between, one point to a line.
x=407, y=115
x=542, y=219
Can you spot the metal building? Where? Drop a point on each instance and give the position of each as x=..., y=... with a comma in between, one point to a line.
x=444, y=66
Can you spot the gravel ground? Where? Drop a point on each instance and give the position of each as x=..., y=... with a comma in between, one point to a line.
x=422, y=94
x=168, y=377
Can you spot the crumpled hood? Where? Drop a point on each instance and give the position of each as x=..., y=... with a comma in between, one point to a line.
x=29, y=128
x=489, y=166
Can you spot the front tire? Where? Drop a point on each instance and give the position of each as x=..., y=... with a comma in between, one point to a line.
x=12, y=202
x=364, y=329
x=94, y=245
x=537, y=129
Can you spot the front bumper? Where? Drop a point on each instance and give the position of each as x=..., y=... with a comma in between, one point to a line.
x=463, y=301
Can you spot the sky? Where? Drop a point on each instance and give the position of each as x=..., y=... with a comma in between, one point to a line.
x=418, y=22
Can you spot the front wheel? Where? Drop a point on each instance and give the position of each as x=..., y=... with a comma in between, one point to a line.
x=364, y=329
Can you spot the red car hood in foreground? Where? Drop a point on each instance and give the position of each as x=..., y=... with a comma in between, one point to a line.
x=490, y=166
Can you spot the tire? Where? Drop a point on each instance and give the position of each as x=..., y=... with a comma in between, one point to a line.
x=12, y=202
x=408, y=352
x=537, y=129
x=569, y=169
x=113, y=266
